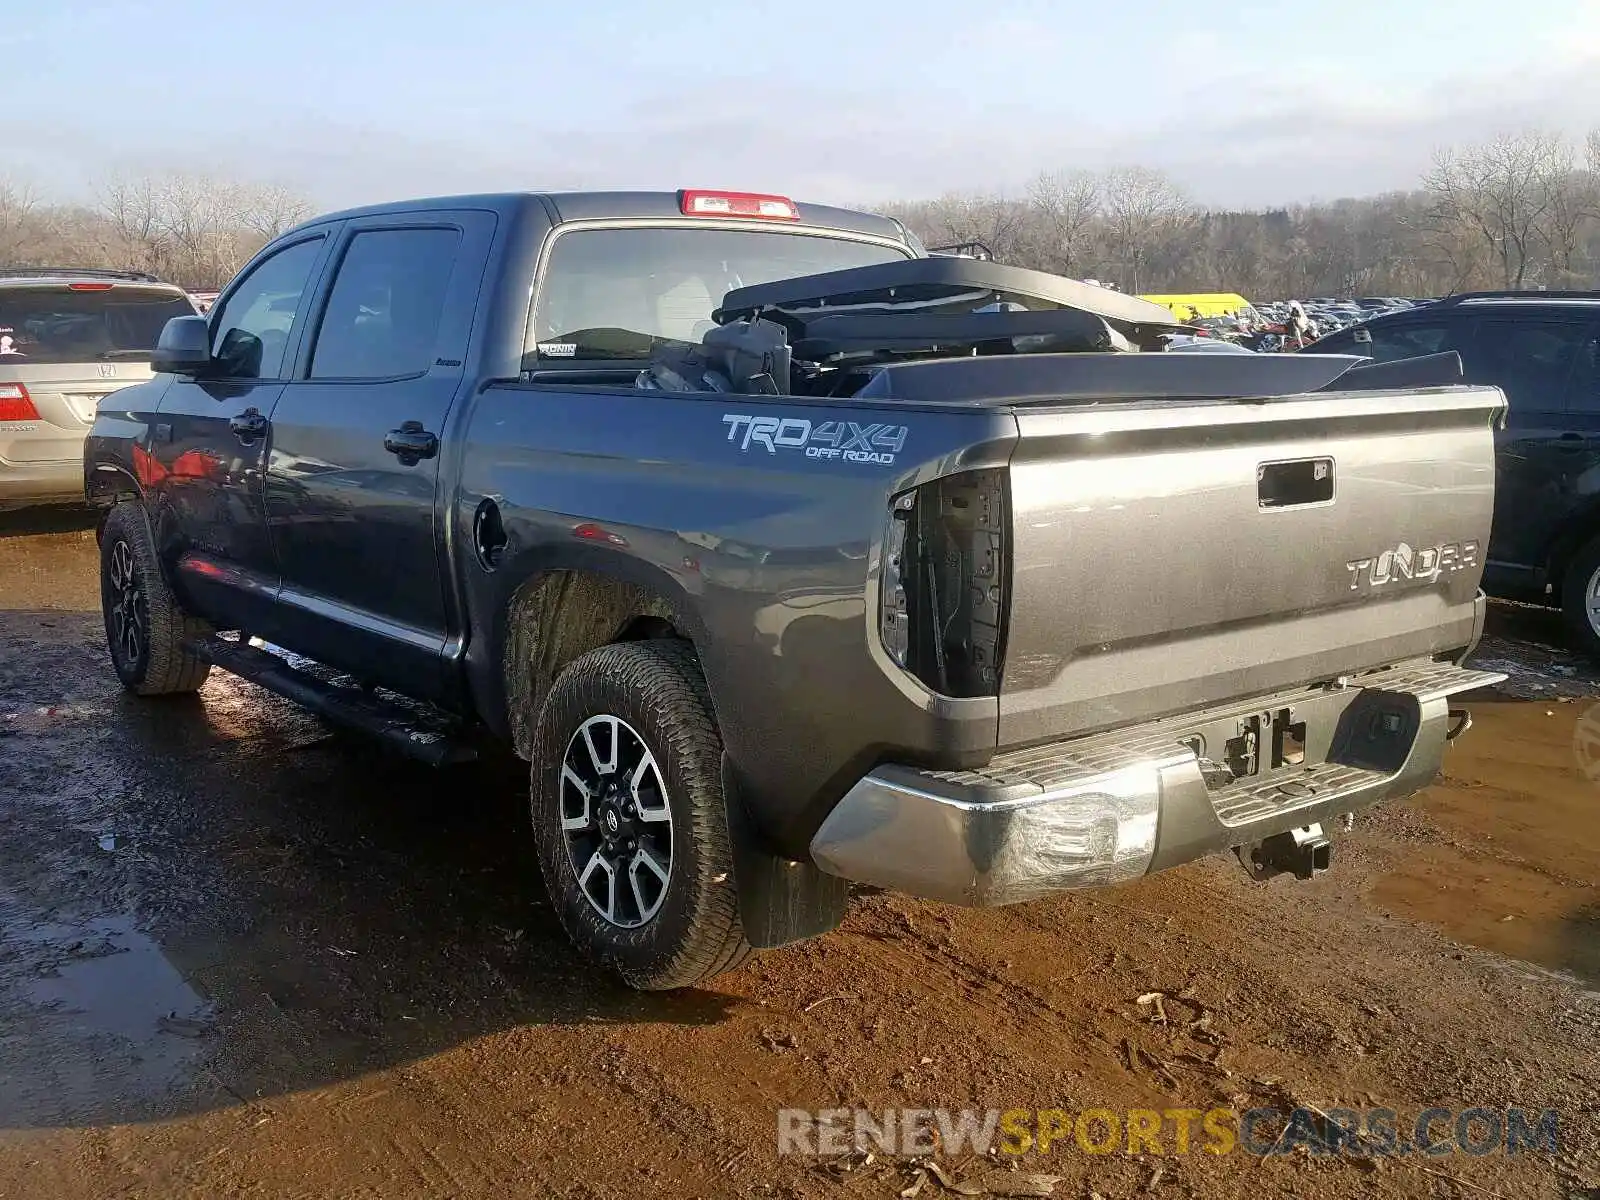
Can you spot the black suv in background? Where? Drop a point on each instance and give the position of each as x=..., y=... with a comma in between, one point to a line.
x=1543, y=350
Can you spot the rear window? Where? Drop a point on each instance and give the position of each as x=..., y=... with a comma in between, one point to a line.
x=617, y=294
x=59, y=325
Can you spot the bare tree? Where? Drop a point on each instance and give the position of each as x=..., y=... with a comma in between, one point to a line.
x=269, y=209
x=1503, y=192
x=968, y=217
x=1574, y=207
x=132, y=210
x=194, y=229
x=18, y=205
x=1143, y=210
x=1064, y=208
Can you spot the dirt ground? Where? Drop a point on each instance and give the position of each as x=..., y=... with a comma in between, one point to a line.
x=244, y=955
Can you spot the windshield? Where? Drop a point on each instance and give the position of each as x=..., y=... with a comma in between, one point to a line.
x=617, y=294
x=60, y=325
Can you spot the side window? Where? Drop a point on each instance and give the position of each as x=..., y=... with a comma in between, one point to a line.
x=383, y=313
x=250, y=333
x=1342, y=342
x=1583, y=392
x=1387, y=343
x=1530, y=360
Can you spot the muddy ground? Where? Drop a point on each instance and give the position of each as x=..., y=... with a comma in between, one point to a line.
x=242, y=954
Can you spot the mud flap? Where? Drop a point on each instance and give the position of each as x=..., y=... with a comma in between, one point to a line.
x=780, y=900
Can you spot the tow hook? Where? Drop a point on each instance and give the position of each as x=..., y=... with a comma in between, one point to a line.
x=1460, y=722
x=1302, y=852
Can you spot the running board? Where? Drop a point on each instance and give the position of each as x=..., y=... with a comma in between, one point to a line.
x=407, y=726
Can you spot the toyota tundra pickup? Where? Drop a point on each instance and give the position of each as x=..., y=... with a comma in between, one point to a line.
x=790, y=555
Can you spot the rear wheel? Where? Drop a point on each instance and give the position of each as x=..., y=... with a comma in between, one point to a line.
x=628, y=816
x=145, y=626
x=1580, y=599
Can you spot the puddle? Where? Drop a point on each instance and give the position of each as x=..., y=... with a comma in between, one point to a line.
x=1508, y=909
x=49, y=559
x=1517, y=870
x=95, y=1012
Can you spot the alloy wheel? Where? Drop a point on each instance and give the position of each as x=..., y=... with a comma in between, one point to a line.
x=1591, y=601
x=616, y=821
x=130, y=613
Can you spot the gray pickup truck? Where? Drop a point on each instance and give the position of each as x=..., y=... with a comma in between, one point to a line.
x=790, y=554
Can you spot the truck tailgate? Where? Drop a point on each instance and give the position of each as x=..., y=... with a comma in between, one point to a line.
x=1179, y=554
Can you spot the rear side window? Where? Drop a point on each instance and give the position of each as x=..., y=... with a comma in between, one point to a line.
x=383, y=314
x=617, y=294
x=1532, y=361
x=1392, y=342
x=95, y=322
x=1583, y=391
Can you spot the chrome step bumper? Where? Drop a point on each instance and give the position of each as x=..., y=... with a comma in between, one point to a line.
x=1114, y=806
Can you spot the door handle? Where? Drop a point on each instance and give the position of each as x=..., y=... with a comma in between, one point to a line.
x=248, y=426
x=411, y=443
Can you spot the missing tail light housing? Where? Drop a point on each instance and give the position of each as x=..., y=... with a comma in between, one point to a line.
x=16, y=404
x=943, y=594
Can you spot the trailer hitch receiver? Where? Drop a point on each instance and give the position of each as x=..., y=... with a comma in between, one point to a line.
x=1302, y=852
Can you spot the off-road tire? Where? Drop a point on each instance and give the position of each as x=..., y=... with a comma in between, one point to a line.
x=656, y=686
x=1581, y=571
x=157, y=663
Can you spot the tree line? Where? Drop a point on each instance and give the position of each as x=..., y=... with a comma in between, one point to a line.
x=192, y=230
x=1520, y=210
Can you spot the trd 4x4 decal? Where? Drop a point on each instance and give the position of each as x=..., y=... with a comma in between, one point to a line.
x=850, y=441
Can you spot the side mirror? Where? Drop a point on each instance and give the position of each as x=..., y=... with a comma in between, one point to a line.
x=184, y=347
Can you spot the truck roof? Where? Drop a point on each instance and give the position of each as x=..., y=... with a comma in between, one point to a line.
x=562, y=207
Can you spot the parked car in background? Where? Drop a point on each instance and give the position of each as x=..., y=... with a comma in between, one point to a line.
x=1179, y=344
x=1541, y=349
x=68, y=338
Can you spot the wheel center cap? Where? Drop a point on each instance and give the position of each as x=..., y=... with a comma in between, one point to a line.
x=611, y=821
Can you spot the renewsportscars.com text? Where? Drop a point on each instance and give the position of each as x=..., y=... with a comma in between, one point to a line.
x=915, y=1132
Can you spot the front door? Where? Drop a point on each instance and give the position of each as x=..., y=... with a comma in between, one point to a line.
x=205, y=460
x=356, y=450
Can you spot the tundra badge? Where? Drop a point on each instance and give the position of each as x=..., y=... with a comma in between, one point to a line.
x=1402, y=563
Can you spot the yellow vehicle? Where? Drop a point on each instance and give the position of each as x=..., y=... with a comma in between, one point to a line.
x=1203, y=304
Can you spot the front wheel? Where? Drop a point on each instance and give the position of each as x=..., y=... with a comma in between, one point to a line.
x=146, y=628
x=629, y=819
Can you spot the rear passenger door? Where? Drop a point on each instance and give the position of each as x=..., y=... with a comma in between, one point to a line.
x=1546, y=448
x=357, y=442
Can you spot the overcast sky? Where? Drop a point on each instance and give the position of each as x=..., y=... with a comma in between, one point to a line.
x=351, y=101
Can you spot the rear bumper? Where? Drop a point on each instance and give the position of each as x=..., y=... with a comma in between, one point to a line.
x=1111, y=807
x=49, y=481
